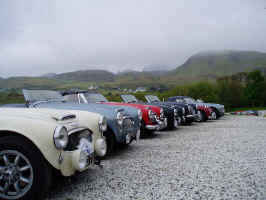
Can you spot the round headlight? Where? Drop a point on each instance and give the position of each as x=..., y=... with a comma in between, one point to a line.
x=119, y=118
x=152, y=115
x=60, y=137
x=140, y=114
x=102, y=124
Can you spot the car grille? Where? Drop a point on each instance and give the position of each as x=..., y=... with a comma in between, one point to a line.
x=128, y=123
x=75, y=137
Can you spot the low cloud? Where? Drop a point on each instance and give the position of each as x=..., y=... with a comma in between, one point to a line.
x=56, y=36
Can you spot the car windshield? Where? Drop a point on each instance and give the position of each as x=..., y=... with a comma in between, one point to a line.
x=93, y=98
x=189, y=100
x=152, y=98
x=129, y=98
x=33, y=96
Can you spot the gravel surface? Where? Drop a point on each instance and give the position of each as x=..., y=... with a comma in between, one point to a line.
x=223, y=159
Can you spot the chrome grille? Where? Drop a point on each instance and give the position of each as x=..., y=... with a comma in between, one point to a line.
x=128, y=123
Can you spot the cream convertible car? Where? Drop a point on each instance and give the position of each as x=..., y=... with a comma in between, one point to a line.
x=33, y=143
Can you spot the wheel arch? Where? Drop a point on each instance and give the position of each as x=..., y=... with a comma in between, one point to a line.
x=46, y=157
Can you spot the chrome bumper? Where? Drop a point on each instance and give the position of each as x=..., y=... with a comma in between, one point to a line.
x=191, y=116
x=159, y=126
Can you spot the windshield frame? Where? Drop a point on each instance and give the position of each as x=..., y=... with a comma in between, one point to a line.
x=34, y=97
x=102, y=100
x=152, y=98
x=127, y=100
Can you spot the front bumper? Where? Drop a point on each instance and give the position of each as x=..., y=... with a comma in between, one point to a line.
x=132, y=130
x=191, y=117
x=75, y=161
x=160, y=125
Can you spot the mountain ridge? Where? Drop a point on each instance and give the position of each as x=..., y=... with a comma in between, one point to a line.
x=208, y=65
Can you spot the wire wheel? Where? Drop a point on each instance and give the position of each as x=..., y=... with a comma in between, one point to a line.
x=16, y=174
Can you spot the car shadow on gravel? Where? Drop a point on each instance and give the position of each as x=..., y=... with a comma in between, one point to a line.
x=61, y=184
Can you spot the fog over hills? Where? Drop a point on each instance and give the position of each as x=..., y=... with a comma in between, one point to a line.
x=207, y=65
x=157, y=67
x=222, y=63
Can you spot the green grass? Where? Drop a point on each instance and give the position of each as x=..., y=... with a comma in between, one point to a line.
x=245, y=109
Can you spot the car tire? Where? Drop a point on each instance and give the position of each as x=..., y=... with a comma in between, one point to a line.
x=201, y=116
x=111, y=142
x=216, y=113
x=19, y=154
x=204, y=116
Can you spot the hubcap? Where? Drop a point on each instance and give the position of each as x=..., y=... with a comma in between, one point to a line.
x=214, y=115
x=16, y=174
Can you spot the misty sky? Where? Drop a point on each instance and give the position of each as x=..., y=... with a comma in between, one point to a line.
x=38, y=37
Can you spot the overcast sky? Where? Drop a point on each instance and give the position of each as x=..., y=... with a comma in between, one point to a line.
x=38, y=37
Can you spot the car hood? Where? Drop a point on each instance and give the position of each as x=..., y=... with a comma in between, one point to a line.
x=143, y=108
x=44, y=115
x=108, y=112
x=130, y=111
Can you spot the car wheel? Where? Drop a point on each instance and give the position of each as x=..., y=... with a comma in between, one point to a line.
x=215, y=114
x=110, y=139
x=200, y=116
x=204, y=116
x=24, y=173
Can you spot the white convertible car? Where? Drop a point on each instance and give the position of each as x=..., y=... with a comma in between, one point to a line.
x=35, y=142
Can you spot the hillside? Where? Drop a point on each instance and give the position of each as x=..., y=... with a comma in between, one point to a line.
x=87, y=75
x=202, y=66
x=221, y=63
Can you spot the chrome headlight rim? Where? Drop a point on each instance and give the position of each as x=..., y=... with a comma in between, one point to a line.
x=60, y=137
x=140, y=115
x=102, y=124
x=120, y=118
x=152, y=115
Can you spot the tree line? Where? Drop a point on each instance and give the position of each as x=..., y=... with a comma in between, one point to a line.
x=245, y=89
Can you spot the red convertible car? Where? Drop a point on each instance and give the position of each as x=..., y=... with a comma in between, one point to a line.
x=152, y=116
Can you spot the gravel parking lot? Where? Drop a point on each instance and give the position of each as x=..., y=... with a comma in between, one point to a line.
x=223, y=159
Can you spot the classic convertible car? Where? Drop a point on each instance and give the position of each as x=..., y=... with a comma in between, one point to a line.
x=152, y=117
x=189, y=113
x=119, y=125
x=131, y=119
x=171, y=113
x=33, y=144
x=218, y=109
x=179, y=110
x=208, y=111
